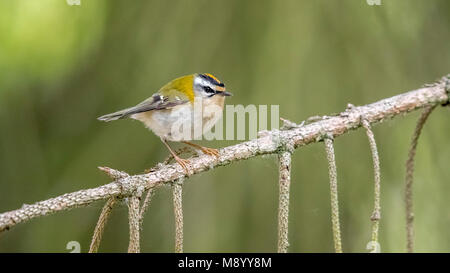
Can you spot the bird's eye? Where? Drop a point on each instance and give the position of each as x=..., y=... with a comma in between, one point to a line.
x=209, y=89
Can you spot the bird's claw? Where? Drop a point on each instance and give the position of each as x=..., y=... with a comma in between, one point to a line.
x=210, y=151
x=184, y=164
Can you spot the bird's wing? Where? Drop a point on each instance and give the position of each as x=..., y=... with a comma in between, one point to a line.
x=158, y=101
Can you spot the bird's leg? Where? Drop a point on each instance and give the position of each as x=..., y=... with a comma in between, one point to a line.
x=183, y=162
x=169, y=158
x=205, y=150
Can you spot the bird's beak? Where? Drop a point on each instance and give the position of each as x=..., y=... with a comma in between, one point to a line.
x=225, y=94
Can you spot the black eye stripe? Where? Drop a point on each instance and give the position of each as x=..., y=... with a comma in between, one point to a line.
x=208, y=89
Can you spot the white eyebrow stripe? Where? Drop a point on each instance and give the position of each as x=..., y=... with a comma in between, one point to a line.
x=202, y=82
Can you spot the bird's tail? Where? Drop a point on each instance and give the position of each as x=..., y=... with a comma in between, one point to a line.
x=116, y=115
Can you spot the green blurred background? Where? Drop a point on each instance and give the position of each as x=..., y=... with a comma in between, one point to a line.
x=62, y=66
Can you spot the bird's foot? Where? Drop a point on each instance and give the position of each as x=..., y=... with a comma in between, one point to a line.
x=183, y=163
x=210, y=151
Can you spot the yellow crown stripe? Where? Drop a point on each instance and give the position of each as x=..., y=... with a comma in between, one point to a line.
x=212, y=76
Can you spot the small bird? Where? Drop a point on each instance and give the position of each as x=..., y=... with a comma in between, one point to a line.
x=192, y=103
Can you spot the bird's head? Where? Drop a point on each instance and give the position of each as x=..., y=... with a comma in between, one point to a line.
x=207, y=86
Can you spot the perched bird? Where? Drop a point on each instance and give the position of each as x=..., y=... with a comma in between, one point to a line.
x=182, y=110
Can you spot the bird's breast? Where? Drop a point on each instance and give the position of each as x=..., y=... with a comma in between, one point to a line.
x=184, y=122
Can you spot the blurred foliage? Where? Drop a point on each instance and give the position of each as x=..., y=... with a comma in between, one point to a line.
x=62, y=66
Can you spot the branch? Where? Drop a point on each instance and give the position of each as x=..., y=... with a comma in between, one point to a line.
x=177, y=193
x=329, y=148
x=409, y=178
x=100, y=227
x=134, y=223
x=376, y=214
x=284, y=159
x=268, y=142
